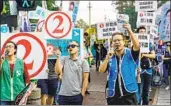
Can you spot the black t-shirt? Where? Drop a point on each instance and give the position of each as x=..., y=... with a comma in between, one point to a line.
x=135, y=55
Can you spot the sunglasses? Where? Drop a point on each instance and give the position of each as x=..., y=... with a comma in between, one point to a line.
x=72, y=46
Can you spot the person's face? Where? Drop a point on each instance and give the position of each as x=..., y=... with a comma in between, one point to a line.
x=118, y=42
x=73, y=48
x=11, y=48
x=142, y=31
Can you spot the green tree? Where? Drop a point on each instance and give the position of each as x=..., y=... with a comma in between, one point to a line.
x=81, y=24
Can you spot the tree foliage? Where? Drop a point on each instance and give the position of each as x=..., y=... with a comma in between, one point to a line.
x=81, y=24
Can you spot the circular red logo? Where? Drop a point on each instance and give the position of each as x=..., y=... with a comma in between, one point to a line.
x=39, y=69
x=63, y=26
x=102, y=25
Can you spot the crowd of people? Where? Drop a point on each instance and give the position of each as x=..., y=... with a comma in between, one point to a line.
x=129, y=79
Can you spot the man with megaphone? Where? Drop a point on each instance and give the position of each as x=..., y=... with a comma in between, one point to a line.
x=120, y=63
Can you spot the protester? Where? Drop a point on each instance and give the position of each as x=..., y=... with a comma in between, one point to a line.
x=12, y=79
x=87, y=55
x=120, y=64
x=49, y=86
x=74, y=71
x=146, y=71
x=167, y=56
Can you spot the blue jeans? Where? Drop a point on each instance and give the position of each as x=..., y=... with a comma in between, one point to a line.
x=165, y=74
x=145, y=87
x=70, y=100
x=7, y=102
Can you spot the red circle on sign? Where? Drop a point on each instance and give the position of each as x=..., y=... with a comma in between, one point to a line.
x=53, y=49
x=101, y=25
x=141, y=14
x=41, y=44
x=70, y=24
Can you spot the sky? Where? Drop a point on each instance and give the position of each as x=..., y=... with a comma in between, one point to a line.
x=98, y=11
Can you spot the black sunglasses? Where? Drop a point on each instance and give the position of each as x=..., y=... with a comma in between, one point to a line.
x=72, y=46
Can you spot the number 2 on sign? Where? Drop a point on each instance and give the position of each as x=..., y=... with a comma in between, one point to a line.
x=57, y=30
x=28, y=48
x=50, y=50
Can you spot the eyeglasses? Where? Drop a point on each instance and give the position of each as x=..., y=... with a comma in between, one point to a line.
x=117, y=40
x=72, y=46
x=10, y=46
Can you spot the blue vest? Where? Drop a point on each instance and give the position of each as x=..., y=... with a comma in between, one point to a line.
x=127, y=67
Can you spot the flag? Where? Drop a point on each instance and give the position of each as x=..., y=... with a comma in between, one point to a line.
x=22, y=97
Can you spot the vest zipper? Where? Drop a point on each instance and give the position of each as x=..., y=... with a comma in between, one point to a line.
x=12, y=91
x=119, y=78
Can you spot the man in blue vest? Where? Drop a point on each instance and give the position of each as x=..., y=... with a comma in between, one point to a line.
x=121, y=66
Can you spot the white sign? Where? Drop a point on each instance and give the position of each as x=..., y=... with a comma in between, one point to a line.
x=4, y=29
x=122, y=19
x=145, y=5
x=105, y=30
x=154, y=31
x=146, y=19
x=144, y=42
x=33, y=15
x=41, y=12
x=58, y=25
x=32, y=49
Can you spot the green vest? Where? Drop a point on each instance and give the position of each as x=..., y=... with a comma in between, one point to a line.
x=11, y=87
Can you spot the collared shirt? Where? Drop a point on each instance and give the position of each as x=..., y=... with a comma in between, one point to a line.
x=72, y=75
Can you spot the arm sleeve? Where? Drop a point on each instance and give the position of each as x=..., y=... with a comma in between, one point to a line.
x=86, y=67
x=135, y=54
x=26, y=74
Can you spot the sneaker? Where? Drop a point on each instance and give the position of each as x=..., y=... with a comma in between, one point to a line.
x=167, y=88
x=87, y=92
x=150, y=89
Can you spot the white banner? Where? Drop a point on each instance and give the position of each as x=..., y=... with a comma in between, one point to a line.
x=154, y=31
x=105, y=30
x=146, y=19
x=144, y=42
x=58, y=25
x=145, y=5
x=32, y=49
x=122, y=19
x=33, y=15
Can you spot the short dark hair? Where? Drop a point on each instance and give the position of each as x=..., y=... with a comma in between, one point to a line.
x=85, y=34
x=141, y=27
x=74, y=41
x=15, y=46
x=119, y=33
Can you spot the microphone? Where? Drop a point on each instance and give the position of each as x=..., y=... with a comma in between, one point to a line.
x=113, y=50
x=6, y=53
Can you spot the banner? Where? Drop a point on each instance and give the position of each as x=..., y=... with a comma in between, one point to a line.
x=146, y=19
x=122, y=19
x=22, y=97
x=105, y=30
x=164, y=26
x=154, y=30
x=4, y=29
x=144, y=42
x=73, y=7
x=145, y=5
x=31, y=47
x=32, y=15
x=52, y=44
